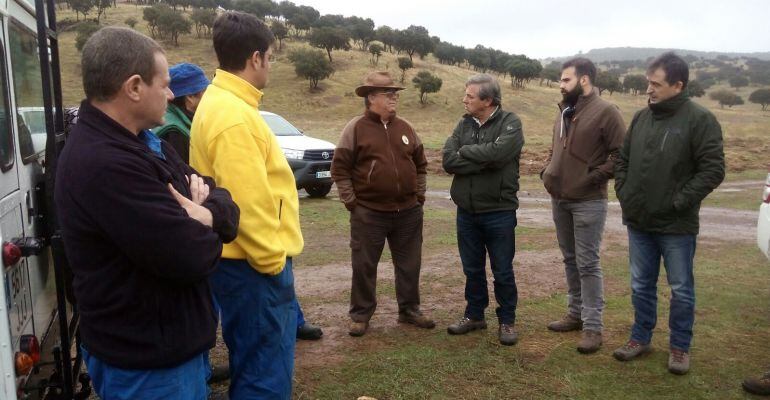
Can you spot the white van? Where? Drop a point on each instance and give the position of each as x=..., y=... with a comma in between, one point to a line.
x=38, y=325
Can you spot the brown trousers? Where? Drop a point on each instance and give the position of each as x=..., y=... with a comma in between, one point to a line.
x=368, y=231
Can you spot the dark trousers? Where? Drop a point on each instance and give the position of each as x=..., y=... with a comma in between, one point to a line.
x=477, y=234
x=368, y=231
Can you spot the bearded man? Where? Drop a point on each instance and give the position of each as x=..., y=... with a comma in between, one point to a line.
x=587, y=135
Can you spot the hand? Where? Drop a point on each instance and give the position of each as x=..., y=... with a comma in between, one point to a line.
x=194, y=210
x=199, y=190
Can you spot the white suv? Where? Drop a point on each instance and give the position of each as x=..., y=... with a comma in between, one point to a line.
x=309, y=158
x=763, y=224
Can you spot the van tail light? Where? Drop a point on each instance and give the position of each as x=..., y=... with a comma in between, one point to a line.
x=28, y=354
x=11, y=254
x=29, y=344
x=23, y=363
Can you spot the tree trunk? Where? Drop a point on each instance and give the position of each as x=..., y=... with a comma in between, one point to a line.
x=329, y=52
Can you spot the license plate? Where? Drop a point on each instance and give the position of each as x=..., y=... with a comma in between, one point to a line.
x=323, y=174
x=19, y=299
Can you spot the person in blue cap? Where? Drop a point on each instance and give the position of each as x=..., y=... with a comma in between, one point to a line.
x=188, y=82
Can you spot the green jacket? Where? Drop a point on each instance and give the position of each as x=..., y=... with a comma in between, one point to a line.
x=485, y=162
x=672, y=157
x=176, y=131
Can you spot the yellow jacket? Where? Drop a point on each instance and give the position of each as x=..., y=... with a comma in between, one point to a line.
x=231, y=142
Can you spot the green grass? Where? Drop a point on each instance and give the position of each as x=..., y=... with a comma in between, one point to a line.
x=731, y=342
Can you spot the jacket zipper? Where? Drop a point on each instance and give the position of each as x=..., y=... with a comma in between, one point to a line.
x=561, y=129
x=393, y=157
x=664, y=140
x=371, y=169
x=280, y=208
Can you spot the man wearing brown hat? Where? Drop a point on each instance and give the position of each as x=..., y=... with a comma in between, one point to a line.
x=379, y=167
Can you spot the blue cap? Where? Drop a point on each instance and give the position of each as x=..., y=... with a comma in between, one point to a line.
x=187, y=79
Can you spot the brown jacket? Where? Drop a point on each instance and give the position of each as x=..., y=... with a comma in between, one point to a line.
x=380, y=166
x=584, y=150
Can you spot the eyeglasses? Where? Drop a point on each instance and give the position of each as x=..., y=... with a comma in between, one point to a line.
x=389, y=94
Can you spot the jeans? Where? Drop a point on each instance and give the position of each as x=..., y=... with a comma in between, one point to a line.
x=477, y=234
x=579, y=228
x=645, y=252
x=300, y=314
x=183, y=382
x=259, y=326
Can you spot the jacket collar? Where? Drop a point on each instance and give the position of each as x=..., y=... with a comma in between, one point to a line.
x=583, y=100
x=377, y=117
x=237, y=86
x=668, y=107
x=175, y=117
x=102, y=123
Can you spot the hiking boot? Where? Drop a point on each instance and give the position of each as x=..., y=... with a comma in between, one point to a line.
x=678, y=362
x=590, y=342
x=758, y=385
x=358, y=328
x=309, y=332
x=566, y=324
x=466, y=325
x=416, y=318
x=631, y=350
x=507, y=335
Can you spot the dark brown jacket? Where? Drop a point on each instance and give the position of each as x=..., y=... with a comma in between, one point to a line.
x=380, y=166
x=584, y=150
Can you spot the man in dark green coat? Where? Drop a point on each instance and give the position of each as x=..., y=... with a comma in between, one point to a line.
x=483, y=154
x=671, y=159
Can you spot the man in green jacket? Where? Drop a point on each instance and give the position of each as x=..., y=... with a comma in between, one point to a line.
x=483, y=154
x=672, y=157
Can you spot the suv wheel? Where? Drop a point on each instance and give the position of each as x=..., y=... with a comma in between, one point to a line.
x=319, y=190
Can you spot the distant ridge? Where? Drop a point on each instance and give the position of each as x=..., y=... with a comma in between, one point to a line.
x=643, y=53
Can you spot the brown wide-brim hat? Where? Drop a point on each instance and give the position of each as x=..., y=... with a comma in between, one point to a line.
x=377, y=80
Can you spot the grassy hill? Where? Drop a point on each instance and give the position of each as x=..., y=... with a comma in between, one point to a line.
x=324, y=112
x=642, y=53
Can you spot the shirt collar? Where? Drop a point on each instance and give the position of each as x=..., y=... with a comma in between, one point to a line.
x=153, y=142
x=478, y=121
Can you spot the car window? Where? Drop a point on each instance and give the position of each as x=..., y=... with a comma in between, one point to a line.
x=6, y=137
x=28, y=91
x=280, y=126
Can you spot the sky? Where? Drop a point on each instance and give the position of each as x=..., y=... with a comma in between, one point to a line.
x=554, y=28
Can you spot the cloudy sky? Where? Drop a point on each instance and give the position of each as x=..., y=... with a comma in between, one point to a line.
x=548, y=28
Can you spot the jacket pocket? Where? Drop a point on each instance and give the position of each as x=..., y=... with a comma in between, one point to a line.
x=282, y=290
x=663, y=202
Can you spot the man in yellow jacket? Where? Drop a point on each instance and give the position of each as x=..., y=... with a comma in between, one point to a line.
x=254, y=284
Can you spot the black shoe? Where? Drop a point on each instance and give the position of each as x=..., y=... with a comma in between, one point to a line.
x=309, y=331
x=219, y=373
